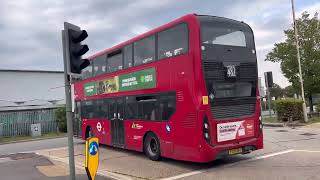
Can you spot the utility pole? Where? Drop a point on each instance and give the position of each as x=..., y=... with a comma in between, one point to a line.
x=299, y=62
x=67, y=82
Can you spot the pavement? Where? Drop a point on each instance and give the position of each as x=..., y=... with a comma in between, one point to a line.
x=289, y=153
x=30, y=166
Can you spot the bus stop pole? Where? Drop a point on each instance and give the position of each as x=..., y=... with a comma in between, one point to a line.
x=67, y=81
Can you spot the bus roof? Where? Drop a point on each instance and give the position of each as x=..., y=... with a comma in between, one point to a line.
x=157, y=29
x=141, y=36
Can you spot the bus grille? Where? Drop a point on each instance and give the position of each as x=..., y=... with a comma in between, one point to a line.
x=233, y=111
x=217, y=71
x=248, y=71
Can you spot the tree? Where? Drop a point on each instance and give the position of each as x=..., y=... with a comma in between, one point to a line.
x=276, y=91
x=60, y=115
x=285, y=53
x=289, y=91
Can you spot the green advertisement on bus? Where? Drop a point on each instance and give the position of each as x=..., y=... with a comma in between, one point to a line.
x=143, y=79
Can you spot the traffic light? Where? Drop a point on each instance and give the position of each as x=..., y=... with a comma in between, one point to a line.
x=75, y=49
x=268, y=79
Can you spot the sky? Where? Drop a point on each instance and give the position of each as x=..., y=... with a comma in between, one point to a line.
x=30, y=30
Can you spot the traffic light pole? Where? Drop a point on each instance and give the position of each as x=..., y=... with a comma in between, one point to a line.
x=67, y=82
x=268, y=94
x=269, y=101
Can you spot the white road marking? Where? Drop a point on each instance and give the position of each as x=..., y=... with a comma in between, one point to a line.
x=6, y=159
x=184, y=175
x=180, y=176
x=272, y=154
x=309, y=151
x=52, y=149
x=81, y=166
x=229, y=165
x=259, y=157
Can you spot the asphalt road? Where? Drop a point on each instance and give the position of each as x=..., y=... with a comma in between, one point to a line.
x=288, y=154
x=31, y=146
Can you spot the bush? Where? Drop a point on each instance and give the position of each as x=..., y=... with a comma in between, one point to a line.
x=61, y=117
x=289, y=110
x=318, y=107
x=265, y=106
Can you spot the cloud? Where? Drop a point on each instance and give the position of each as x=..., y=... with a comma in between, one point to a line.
x=31, y=30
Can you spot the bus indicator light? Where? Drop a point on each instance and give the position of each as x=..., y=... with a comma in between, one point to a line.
x=168, y=128
x=205, y=100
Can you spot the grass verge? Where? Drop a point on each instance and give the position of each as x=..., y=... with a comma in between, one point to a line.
x=270, y=120
x=4, y=140
x=314, y=120
x=275, y=120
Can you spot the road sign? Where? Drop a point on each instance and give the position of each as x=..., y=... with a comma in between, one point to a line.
x=92, y=157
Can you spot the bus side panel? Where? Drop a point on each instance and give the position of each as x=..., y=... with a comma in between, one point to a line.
x=185, y=121
x=137, y=130
x=134, y=131
x=104, y=134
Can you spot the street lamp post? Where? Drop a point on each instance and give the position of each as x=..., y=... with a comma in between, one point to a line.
x=298, y=57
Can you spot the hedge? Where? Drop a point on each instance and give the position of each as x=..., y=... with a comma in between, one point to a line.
x=289, y=110
x=60, y=114
x=318, y=107
x=265, y=107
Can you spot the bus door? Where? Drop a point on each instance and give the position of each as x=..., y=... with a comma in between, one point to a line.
x=117, y=125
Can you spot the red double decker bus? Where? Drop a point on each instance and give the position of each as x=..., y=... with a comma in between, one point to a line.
x=186, y=90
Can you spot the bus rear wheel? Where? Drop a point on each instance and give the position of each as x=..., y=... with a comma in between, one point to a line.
x=151, y=146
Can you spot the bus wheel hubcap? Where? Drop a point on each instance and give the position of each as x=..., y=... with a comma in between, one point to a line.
x=153, y=146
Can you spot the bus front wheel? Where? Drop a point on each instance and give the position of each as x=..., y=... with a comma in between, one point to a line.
x=151, y=146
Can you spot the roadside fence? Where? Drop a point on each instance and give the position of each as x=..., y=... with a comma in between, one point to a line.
x=18, y=123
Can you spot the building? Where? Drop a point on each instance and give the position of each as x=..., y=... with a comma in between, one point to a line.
x=29, y=96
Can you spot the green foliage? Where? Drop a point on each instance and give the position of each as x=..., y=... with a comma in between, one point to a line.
x=285, y=53
x=289, y=91
x=276, y=91
x=318, y=107
x=265, y=106
x=289, y=110
x=270, y=120
x=61, y=117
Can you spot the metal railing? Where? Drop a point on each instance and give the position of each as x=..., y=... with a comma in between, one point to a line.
x=17, y=123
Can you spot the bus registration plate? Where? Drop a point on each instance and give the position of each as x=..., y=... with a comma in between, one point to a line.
x=235, y=151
